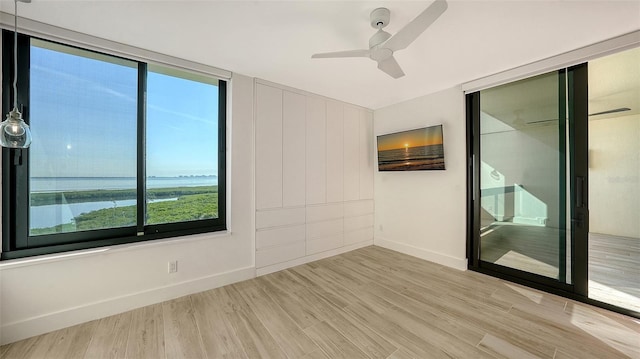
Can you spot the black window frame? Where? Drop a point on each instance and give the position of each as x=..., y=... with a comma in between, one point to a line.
x=15, y=173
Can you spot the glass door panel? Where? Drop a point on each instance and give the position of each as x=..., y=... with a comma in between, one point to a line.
x=614, y=177
x=523, y=222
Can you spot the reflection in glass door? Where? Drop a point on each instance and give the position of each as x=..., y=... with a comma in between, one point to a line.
x=614, y=179
x=522, y=170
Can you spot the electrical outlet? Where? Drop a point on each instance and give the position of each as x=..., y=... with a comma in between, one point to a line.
x=173, y=266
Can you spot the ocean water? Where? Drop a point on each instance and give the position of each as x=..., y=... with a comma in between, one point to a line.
x=412, y=159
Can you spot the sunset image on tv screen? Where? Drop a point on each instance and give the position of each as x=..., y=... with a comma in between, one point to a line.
x=415, y=150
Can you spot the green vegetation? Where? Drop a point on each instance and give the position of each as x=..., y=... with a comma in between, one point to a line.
x=192, y=203
x=48, y=198
x=186, y=208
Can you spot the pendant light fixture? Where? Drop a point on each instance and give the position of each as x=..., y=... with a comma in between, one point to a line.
x=14, y=132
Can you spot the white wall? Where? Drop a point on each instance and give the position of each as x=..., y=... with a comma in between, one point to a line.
x=614, y=176
x=41, y=294
x=423, y=213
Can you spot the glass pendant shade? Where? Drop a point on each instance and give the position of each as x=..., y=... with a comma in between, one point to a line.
x=14, y=132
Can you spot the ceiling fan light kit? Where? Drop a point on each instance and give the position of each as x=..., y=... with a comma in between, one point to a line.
x=382, y=45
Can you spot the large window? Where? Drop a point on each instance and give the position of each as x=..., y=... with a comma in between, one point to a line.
x=122, y=151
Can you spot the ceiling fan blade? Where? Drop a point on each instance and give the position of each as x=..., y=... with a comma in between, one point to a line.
x=349, y=53
x=391, y=67
x=417, y=26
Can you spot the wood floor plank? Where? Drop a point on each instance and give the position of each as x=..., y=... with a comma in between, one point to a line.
x=283, y=294
x=333, y=343
x=443, y=280
x=146, y=335
x=219, y=338
x=46, y=342
x=466, y=333
x=329, y=288
x=182, y=337
x=256, y=340
x=560, y=354
x=23, y=348
x=284, y=330
x=368, y=341
x=371, y=302
x=503, y=349
x=518, y=295
x=430, y=332
x=71, y=342
x=559, y=326
x=603, y=329
x=402, y=354
x=110, y=337
x=395, y=333
x=316, y=354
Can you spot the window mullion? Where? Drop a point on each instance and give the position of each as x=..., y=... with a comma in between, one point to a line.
x=16, y=188
x=141, y=155
x=222, y=148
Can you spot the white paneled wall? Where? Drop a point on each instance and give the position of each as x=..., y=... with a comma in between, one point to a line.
x=316, y=141
x=269, y=147
x=351, y=154
x=335, y=152
x=293, y=158
x=314, y=177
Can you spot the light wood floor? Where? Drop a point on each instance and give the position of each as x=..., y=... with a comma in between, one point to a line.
x=532, y=249
x=369, y=303
x=614, y=262
x=614, y=270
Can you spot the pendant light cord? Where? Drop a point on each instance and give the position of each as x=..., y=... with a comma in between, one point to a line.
x=15, y=54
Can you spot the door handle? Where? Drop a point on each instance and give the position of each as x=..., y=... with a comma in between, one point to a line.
x=578, y=221
x=579, y=192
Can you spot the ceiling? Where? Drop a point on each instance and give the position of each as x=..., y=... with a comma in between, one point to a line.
x=275, y=40
x=614, y=84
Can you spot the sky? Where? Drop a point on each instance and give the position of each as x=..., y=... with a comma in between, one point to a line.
x=420, y=137
x=83, y=115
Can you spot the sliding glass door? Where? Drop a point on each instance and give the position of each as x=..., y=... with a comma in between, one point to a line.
x=553, y=197
x=614, y=179
x=522, y=176
x=522, y=138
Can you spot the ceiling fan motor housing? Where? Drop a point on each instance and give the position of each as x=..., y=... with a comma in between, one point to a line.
x=380, y=17
x=378, y=38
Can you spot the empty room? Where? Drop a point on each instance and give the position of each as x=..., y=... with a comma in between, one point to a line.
x=320, y=179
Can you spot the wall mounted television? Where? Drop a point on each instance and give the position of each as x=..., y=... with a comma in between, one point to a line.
x=421, y=149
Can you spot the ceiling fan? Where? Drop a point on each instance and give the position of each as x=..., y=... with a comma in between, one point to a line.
x=382, y=45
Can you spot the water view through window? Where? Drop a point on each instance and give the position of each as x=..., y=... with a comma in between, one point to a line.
x=182, y=147
x=83, y=160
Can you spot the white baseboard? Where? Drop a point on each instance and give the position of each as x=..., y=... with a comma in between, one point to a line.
x=445, y=260
x=30, y=327
x=314, y=257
